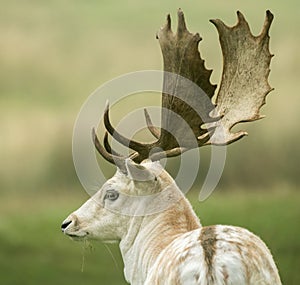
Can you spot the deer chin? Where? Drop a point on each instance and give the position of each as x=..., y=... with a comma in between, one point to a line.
x=77, y=236
x=82, y=235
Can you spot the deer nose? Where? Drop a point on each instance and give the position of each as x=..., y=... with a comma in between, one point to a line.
x=65, y=224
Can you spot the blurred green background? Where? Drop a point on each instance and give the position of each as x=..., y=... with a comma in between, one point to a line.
x=53, y=54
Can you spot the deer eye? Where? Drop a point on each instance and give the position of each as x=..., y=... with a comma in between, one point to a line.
x=111, y=195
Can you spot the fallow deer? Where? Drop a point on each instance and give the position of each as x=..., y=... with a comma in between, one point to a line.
x=161, y=239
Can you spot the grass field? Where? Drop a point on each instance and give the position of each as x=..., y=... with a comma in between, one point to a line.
x=53, y=54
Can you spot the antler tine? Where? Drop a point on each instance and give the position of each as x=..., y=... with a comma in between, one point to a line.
x=119, y=161
x=108, y=147
x=267, y=24
x=136, y=146
x=168, y=153
x=106, y=155
x=168, y=23
x=154, y=131
x=106, y=143
x=181, y=28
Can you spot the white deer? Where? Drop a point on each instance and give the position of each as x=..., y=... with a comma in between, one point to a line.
x=161, y=239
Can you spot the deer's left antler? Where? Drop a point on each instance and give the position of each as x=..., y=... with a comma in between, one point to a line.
x=187, y=91
x=244, y=84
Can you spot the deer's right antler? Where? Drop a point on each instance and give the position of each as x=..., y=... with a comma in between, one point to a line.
x=187, y=115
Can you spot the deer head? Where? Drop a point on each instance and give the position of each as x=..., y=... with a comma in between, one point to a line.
x=108, y=215
x=145, y=189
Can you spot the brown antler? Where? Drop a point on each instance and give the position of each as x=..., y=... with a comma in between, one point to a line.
x=186, y=99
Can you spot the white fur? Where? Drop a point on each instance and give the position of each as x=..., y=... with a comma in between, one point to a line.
x=169, y=246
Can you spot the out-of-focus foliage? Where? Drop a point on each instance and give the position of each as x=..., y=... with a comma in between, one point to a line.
x=54, y=54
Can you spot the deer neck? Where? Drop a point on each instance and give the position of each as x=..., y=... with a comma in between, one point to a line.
x=148, y=236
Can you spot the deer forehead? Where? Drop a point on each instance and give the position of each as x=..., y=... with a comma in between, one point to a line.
x=119, y=182
x=124, y=184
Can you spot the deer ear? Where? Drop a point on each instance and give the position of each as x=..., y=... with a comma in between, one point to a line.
x=138, y=172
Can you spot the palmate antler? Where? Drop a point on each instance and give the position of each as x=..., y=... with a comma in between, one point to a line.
x=187, y=92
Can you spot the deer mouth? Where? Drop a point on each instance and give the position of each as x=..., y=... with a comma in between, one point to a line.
x=77, y=236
